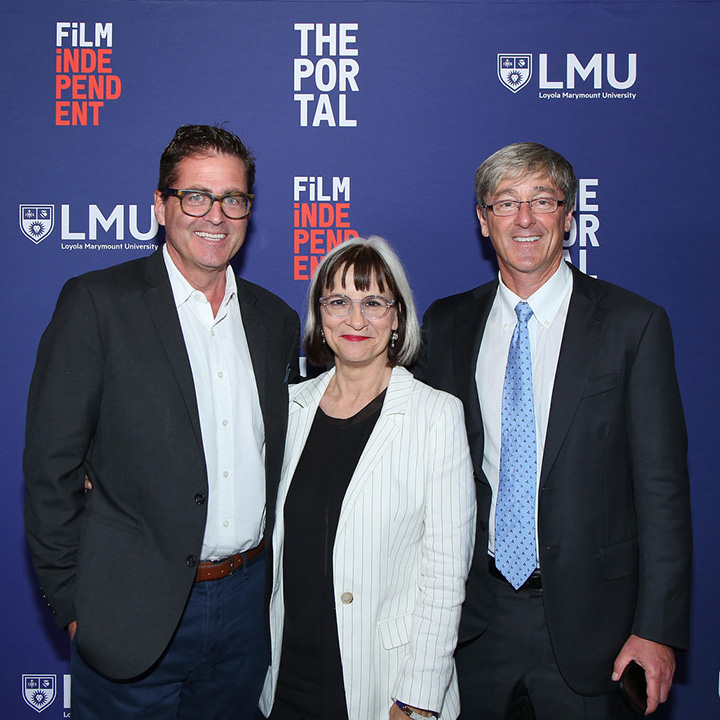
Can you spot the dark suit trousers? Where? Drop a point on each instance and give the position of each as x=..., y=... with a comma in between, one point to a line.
x=510, y=673
x=213, y=669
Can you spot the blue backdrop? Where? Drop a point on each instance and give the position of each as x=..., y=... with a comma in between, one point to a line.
x=366, y=117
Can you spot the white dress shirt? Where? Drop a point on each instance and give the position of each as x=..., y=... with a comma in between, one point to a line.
x=546, y=326
x=233, y=432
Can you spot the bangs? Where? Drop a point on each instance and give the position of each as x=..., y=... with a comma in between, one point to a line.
x=367, y=266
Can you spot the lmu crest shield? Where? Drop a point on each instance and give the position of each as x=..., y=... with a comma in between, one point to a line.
x=514, y=71
x=39, y=690
x=37, y=221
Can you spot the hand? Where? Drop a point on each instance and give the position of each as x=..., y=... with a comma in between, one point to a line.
x=657, y=660
x=397, y=714
x=88, y=483
x=72, y=627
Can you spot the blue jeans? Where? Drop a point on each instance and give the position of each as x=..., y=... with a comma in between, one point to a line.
x=213, y=668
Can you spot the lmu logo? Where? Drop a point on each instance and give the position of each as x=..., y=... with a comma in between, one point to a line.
x=39, y=690
x=37, y=221
x=515, y=71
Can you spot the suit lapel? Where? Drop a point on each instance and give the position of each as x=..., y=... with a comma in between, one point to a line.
x=256, y=334
x=304, y=401
x=584, y=330
x=161, y=305
x=470, y=325
x=386, y=429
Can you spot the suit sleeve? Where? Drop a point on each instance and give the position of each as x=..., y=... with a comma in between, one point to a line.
x=62, y=413
x=447, y=546
x=658, y=447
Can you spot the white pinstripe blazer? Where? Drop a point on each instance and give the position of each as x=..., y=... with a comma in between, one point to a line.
x=402, y=550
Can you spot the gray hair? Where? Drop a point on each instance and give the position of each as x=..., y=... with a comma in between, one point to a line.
x=523, y=159
x=370, y=259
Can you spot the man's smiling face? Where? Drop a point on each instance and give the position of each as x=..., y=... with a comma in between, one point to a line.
x=202, y=247
x=528, y=245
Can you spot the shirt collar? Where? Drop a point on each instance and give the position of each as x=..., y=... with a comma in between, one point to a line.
x=182, y=290
x=544, y=302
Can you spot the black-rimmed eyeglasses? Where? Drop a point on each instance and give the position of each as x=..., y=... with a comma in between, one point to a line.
x=196, y=203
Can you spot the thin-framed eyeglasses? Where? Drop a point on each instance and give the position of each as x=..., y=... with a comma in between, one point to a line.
x=540, y=206
x=372, y=307
x=197, y=203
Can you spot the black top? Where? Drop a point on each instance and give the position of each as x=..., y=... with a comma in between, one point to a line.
x=310, y=681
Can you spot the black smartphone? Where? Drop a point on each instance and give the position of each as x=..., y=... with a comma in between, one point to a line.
x=633, y=687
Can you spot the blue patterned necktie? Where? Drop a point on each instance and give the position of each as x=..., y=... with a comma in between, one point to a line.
x=515, y=554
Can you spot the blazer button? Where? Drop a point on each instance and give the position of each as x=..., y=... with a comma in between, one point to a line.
x=346, y=598
x=200, y=499
x=191, y=561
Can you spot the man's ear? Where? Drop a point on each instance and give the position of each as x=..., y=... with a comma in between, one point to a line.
x=159, y=207
x=483, y=221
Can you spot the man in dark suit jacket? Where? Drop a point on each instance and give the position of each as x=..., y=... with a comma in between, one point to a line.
x=607, y=509
x=155, y=432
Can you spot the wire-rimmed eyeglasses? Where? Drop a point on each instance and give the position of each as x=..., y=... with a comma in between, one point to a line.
x=372, y=307
x=197, y=203
x=540, y=206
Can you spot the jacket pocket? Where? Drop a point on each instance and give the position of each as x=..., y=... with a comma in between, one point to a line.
x=602, y=384
x=98, y=518
x=395, y=631
x=619, y=560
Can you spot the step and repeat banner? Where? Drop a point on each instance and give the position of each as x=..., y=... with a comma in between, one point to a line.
x=365, y=117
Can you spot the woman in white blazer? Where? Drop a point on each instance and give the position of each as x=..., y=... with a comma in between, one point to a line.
x=375, y=511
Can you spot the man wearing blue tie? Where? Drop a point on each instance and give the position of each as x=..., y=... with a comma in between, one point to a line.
x=582, y=557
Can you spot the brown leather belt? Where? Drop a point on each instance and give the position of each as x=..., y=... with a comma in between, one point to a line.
x=218, y=569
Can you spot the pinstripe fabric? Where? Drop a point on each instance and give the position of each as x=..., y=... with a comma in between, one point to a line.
x=403, y=549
